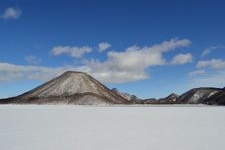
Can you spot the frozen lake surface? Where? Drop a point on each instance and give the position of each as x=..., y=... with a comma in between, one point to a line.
x=33, y=127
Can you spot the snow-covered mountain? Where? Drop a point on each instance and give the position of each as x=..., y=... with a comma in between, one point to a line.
x=81, y=89
x=70, y=88
x=197, y=95
x=148, y=101
x=171, y=99
x=125, y=95
x=217, y=99
x=203, y=95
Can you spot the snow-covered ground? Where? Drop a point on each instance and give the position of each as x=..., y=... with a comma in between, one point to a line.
x=33, y=127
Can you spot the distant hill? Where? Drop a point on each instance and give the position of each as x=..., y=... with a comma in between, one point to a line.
x=198, y=95
x=203, y=95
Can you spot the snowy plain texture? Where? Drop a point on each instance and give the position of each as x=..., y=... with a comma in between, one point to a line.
x=36, y=127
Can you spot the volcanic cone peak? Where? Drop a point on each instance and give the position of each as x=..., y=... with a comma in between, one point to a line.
x=71, y=87
x=67, y=84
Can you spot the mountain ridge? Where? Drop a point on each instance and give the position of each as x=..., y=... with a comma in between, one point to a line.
x=79, y=88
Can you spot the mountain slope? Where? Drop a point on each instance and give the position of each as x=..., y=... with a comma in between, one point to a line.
x=217, y=99
x=70, y=88
x=127, y=96
x=171, y=99
x=197, y=95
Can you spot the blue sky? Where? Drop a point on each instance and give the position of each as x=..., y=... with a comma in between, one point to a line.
x=146, y=48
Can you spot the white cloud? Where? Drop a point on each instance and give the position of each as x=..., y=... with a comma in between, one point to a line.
x=213, y=64
x=10, y=72
x=197, y=72
x=119, y=67
x=32, y=60
x=76, y=52
x=103, y=46
x=130, y=65
x=180, y=59
x=214, y=79
x=11, y=13
x=210, y=49
x=111, y=73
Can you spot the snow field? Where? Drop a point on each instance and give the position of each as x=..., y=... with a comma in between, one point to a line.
x=48, y=127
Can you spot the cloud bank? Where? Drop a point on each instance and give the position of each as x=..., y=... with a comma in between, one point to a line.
x=124, y=66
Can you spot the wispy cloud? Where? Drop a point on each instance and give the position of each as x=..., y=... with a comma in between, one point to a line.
x=11, y=72
x=213, y=64
x=210, y=49
x=32, y=60
x=73, y=51
x=210, y=73
x=181, y=59
x=214, y=79
x=11, y=13
x=103, y=46
x=197, y=72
